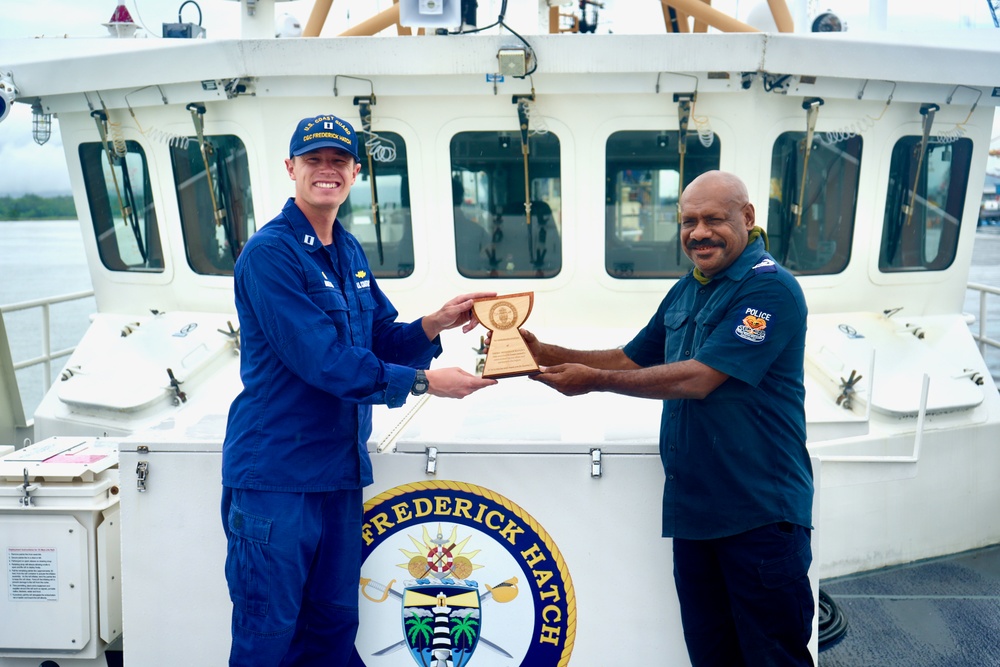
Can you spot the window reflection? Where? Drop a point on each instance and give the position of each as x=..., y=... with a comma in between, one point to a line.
x=924, y=205
x=392, y=192
x=495, y=237
x=642, y=188
x=813, y=202
x=215, y=205
x=121, y=206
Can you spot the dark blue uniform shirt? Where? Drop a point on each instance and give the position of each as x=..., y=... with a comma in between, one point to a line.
x=735, y=460
x=320, y=345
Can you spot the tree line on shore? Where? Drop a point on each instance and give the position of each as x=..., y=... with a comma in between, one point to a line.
x=36, y=207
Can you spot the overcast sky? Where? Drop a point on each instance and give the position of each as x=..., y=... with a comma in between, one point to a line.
x=27, y=167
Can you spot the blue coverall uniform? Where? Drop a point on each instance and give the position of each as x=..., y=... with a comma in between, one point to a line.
x=320, y=345
x=738, y=489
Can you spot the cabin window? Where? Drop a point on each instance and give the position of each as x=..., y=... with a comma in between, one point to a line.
x=923, y=210
x=494, y=235
x=813, y=202
x=215, y=204
x=642, y=188
x=392, y=192
x=121, y=206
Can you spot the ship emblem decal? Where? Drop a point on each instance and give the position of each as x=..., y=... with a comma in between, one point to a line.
x=486, y=582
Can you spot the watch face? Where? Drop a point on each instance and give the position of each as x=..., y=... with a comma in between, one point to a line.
x=827, y=22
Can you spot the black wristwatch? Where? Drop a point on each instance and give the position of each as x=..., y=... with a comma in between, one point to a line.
x=420, y=385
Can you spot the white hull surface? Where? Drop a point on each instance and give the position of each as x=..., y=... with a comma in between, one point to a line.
x=535, y=480
x=577, y=541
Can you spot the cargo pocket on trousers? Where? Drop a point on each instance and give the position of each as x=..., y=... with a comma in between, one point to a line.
x=791, y=568
x=248, y=569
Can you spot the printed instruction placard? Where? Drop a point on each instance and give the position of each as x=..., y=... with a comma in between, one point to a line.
x=31, y=573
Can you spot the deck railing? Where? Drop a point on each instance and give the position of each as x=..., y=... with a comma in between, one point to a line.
x=982, y=336
x=48, y=355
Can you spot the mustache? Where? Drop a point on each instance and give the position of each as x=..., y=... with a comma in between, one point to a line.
x=708, y=243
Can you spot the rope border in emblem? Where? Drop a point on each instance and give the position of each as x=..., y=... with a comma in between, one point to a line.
x=465, y=487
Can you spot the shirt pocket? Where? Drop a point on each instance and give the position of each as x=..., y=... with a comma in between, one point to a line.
x=674, y=322
x=705, y=324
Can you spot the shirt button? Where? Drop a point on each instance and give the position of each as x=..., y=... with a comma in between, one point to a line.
x=670, y=477
x=687, y=353
x=672, y=448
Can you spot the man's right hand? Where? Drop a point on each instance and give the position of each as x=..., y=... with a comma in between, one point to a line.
x=454, y=382
x=535, y=346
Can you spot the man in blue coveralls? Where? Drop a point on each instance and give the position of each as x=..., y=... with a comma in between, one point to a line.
x=320, y=345
x=724, y=352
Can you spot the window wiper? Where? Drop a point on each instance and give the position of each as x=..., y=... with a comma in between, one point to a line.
x=904, y=211
x=222, y=225
x=927, y=111
x=685, y=102
x=125, y=194
x=364, y=107
x=228, y=203
x=811, y=106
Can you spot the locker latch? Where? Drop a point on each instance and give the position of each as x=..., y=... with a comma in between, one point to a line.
x=141, y=469
x=432, y=458
x=595, y=463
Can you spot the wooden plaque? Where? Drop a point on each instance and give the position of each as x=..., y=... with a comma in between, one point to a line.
x=508, y=354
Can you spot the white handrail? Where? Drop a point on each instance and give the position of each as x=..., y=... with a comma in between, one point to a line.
x=48, y=355
x=984, y=340
x=917, y=440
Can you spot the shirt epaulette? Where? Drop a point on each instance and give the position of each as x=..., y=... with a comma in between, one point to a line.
x=766, y=265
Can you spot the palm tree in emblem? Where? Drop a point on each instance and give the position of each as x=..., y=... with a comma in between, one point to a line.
x=464, y=629
x=419, y=625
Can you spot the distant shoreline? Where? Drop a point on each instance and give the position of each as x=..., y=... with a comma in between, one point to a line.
x=36, y=207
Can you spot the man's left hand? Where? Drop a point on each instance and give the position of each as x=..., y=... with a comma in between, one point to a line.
x=568, y=379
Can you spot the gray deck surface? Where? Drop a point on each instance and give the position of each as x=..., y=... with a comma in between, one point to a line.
x=943, y=612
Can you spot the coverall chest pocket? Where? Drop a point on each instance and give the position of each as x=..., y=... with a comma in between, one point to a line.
x=334, y=305
x=674, y=329
x=367, y=303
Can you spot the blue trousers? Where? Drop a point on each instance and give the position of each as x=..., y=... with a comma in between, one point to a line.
x=293, y=566
x=746, y=600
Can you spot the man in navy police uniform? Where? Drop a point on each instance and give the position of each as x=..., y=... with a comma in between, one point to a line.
x=724, y=352
x=320, y=346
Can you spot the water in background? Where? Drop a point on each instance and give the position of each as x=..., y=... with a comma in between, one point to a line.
x=42, y=259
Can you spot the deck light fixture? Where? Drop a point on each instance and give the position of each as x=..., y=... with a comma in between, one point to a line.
x=41, y=124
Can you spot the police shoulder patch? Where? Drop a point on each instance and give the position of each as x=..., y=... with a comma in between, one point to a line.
x=753, y=327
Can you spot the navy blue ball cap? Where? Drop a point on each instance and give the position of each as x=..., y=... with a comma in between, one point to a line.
x=324, y=132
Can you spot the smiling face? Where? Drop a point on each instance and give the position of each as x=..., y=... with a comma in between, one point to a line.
x=323, y=179
x=716, y=218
